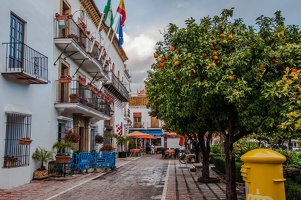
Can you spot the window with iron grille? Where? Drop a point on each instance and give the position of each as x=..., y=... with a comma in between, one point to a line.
x=17, y=126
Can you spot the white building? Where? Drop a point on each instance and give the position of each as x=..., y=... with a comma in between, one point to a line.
x=42, y=41
x=144, y=123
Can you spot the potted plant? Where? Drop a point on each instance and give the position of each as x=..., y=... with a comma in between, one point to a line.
x=65, y=79
x=42, y=156
x=25, y=141
x=74, y=98
x=99, y=139
x=62, y=156
x=82, y=80
x=70, y=136
x=107, y=147
x=121, y=141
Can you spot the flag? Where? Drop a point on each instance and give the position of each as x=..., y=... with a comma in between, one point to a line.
x=108, y=14
x=120, y=33
x=121, y=11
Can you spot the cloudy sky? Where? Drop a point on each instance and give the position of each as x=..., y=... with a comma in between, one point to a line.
x=146, y=18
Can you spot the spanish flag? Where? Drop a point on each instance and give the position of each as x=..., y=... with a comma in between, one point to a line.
x=121, y=11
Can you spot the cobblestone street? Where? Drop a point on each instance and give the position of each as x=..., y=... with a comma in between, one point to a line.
x=146, y=177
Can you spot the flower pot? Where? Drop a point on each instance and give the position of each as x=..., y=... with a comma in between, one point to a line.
x=122, y=154
x=40, y=174
x=73, y=98
x=25, y=141
x=64, y=80
x=62, y=159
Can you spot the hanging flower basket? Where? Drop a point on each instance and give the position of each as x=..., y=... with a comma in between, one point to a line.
x=65, y=79
x=82, y=80
x=25, y=141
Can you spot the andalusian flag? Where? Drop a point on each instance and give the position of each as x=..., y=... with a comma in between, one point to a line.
x=108, y=14
x=121, y=11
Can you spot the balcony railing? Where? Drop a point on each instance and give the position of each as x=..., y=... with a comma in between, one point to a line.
x=73, y=92
x=116, y=87
x=26, y=63
x=80, y=37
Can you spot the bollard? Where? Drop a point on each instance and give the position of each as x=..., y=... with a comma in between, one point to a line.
x=263, y=174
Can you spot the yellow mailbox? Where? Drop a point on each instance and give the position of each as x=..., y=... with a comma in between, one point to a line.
x=263, y=174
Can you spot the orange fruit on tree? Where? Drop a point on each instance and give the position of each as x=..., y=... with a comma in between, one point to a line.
x=232, y=78
x=176, y=63
x=156, y=55
x=172, y=48
x=214, y=53
x=162, y=59
x=230, y=37
x=215, y=57
x=295, y=78
x=204, y=55
x=212, y=47
x=294, y=70
x=161, y=64
x=222, y=35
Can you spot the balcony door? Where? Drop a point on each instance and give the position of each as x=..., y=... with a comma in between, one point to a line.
x=16, y=42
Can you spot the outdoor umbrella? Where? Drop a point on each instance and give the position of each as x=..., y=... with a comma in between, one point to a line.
x=135, y=135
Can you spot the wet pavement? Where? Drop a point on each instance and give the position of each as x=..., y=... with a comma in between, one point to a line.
x=146, y=177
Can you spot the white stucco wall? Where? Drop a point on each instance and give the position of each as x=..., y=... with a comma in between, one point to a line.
x=37, y=98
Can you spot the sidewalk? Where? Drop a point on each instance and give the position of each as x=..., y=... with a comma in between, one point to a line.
x=180, y=184
x=54, y=186
x=183, y=184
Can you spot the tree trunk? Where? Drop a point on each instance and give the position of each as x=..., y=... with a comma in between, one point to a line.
x=205, y=153
x=230, y=161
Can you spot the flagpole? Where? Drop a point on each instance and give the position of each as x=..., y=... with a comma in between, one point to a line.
x=110, y=45
x=97, y=31
x=106, y=39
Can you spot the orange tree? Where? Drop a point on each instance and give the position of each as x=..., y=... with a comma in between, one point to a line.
x=219, y=75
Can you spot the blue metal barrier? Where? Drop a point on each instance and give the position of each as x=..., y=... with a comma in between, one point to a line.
x=86, y=160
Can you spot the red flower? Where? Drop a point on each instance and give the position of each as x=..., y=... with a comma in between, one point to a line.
x=70, y=136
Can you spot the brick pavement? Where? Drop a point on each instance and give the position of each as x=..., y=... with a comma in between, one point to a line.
x=180, y=184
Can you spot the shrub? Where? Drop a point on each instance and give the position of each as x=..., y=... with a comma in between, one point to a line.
x=292, y=190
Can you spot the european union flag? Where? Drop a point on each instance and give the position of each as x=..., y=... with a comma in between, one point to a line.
x=120, y=33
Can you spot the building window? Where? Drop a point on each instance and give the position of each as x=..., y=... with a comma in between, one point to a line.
x=16, y=42
x=17, y=126
x=62, y=127
x=137, y=120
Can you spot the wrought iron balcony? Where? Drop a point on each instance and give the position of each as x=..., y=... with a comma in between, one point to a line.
x=116, y=87
x=75, y=98
x=25, y=63
x=74, y=42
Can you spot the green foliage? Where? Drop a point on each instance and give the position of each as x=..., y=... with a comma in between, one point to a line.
x=238, y=176
x=222, y=75
x=219, y=163
x=244, y=145
x=61, y=147
x=42, y=156
x=215, y=148
x=292, y=190
x=293, y=158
